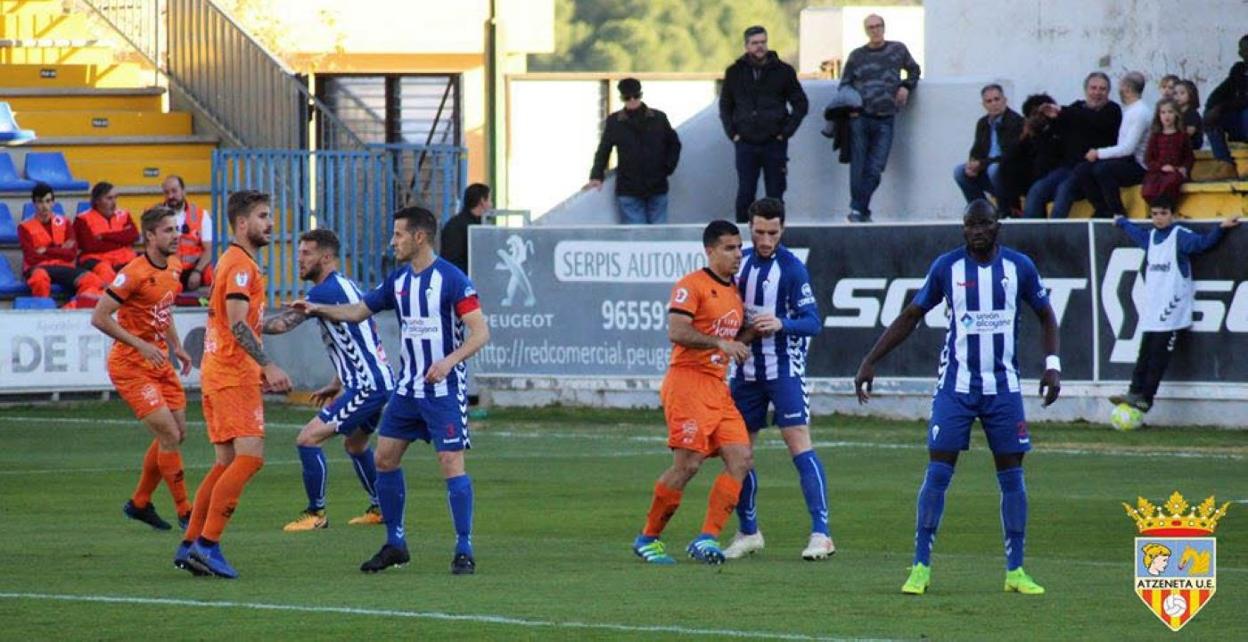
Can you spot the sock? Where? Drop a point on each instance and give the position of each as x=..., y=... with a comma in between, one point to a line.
x=392, y=496
x=366, y=470
x=149, y=479
x=931, y=505
x=226, y=493
x=747, y=509
x=719, y=505
x=203, y=497
x=814, y=489
x=459, y=497
x=170, y=465
x=314, y=474
x=662, y=507
x=1013, y=514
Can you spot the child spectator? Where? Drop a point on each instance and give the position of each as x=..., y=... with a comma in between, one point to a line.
x=1168, y=159
x=1167, y=85
x=1188, y=98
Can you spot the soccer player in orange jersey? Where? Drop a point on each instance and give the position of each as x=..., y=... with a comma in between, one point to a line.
x=235, y=372
x=142, y=295
x=705, y=319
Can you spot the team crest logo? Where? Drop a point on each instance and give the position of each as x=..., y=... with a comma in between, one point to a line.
x=241, y=279
x=119, y=281
x=512, y=260
x=1176, y=556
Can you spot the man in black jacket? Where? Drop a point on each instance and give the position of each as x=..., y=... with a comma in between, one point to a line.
x=649, y=150
x=454, y=234
x=996, y=136
x=1226, y=114
x=761, y=104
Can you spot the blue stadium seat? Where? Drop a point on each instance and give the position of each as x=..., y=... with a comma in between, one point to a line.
x=10, y=181
x=10, y=132
x=51, y=168
x=34, y=303
x=8, y=227
x=10, y=285
x=28, y=210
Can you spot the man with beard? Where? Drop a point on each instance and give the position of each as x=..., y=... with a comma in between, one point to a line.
x=195, y=235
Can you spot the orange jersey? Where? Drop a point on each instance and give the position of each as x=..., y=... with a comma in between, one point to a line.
x=716, y=309
x=146, y=293
x=226, y=364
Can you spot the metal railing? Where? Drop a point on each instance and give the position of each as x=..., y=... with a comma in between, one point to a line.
x=432, y=175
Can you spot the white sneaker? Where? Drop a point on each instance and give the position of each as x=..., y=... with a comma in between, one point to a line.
x=820, y=547
x=743, y=545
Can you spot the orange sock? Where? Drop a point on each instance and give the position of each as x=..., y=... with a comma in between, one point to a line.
x=721, y=503
x=666, y=501
x=170, y=464
x=203, y=497
x=149, y=479
x=225, y=496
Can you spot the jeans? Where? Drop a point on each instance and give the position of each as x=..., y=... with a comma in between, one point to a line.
x=872, y=138
x=1233, y=124
x=989, y=181
x=640, y=210
x=769, y=158
x=1055, y=186
x=1102, y=182
x=1070, y=190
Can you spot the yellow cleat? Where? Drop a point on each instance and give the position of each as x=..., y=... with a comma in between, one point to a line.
x=371, y=517
x=308, y=521
x=920, y=578
x=1018, y=581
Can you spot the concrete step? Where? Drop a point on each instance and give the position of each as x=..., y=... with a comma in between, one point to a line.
x=44, y=25
x=52, y=54
x=106, y=123
x=135, y=172
x=83, y=99
x=32, y=8
x=126, y=74
x=1216, y=200
x=124, y=147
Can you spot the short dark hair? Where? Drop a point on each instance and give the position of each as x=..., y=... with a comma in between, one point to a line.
x=754, y=30
x=1163, y=200
x=242, y=202
x=153, y=216
x=40, y=190
x=979, y=208
x=174, y=177
x=418, y=218
x=1097, y=74
x=1036, y=100
x=768, y=208
x=1135, y=81
x=324, y=239
x=1169, y=77
x=716, y=229
x=100, y=190
x=991, y=86
x=474, y=194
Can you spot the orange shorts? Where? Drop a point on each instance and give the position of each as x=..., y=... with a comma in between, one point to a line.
x=147, y=389
x=233, y=412
x=700, y=413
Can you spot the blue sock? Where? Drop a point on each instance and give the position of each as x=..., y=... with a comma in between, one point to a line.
x=931, y=504
x=747, y=508
x=314, y=475
x=366, y=470
x=814, y=489
x=392, y=497
x=1013, y=514
x=459, y=497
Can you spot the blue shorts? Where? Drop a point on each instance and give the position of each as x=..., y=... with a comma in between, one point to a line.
x=788, y=397
x=1001, y=416
x=441, y=421
x=354, y=409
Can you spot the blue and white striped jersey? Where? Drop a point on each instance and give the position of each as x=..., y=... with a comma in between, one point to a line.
x=778, y=285
x=430, y=306
x=354, y=348
x=980, y=349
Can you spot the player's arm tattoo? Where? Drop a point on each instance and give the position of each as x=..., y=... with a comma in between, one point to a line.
x=284, y=321
x=247, y=339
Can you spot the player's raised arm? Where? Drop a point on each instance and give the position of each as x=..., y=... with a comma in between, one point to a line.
x=283, y=321
x=680, y=331
x=236, y=312
x=349, y=312
x=102, y=319
x=898, y=331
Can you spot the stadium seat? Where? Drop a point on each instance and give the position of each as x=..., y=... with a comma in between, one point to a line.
x=28, y=210
x=51, y=168
x=10, y=133
x=10, y=285
x=34, y=303
x=8, y=227
x=9, y=179
x=82, y=207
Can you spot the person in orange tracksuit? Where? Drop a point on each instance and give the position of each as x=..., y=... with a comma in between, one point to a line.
x=106, y=235
x=705, y=320
x=235, y=372
x=48, y=253
x=195, y=227
x=142, y=295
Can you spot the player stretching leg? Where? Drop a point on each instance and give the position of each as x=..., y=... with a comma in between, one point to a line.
x=360, y=365
x=434, y=301
x=705, y=315
x=780, y=307
x=982, y=283
x=142, y=295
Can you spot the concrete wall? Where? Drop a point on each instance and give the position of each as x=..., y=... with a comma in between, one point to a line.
x=830, y=33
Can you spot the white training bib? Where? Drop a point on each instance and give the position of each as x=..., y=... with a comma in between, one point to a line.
x=1168, y=297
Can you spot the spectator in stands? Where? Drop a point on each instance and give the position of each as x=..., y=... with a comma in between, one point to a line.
x=48, y=253
x=1166, y=86
x=1083, y=125
x=106, y=234
x=195, y=235
x=761, y=104
x=454, y=246
x=1036, y=159
x=648, y=150
x=1168, y=158
x=1188, y=98
x=874, y=69
x=1111, y=168
x=996, y=135
x=1226, y=115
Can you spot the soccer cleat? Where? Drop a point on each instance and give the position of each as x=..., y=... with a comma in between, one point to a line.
x=1018, y=581
x=819, y=547
x=463, y=564
x=920, y=578
x=742, y=545
x=385, y=558
x=652, y=551
x=370, y=517
x=184, y=520
x=147, y=515
x=706, y=550
x=308, y=520
x=182, y=560
x=211, y=559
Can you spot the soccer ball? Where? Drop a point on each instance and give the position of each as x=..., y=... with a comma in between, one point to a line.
x=1174, y=606
x=1126, y=417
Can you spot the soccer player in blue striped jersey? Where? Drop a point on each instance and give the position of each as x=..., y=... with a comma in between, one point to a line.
x=982, y=284
x=780, y=307
x=353, y=401
x=435, y=303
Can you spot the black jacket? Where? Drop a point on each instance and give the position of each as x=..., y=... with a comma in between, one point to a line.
x=760, y=107
x=454, y=246
x=1233, y=91
x=648, y=150
x=1082, y=129
x=1008, y=131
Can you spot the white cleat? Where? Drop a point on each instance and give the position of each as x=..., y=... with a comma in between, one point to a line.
x=743, y=545
x=820, y=547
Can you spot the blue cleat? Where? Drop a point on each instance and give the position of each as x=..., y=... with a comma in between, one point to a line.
x=651, y=550
x=705, y=549
x=211, y=559
x=147, y=515
x=182, y=560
